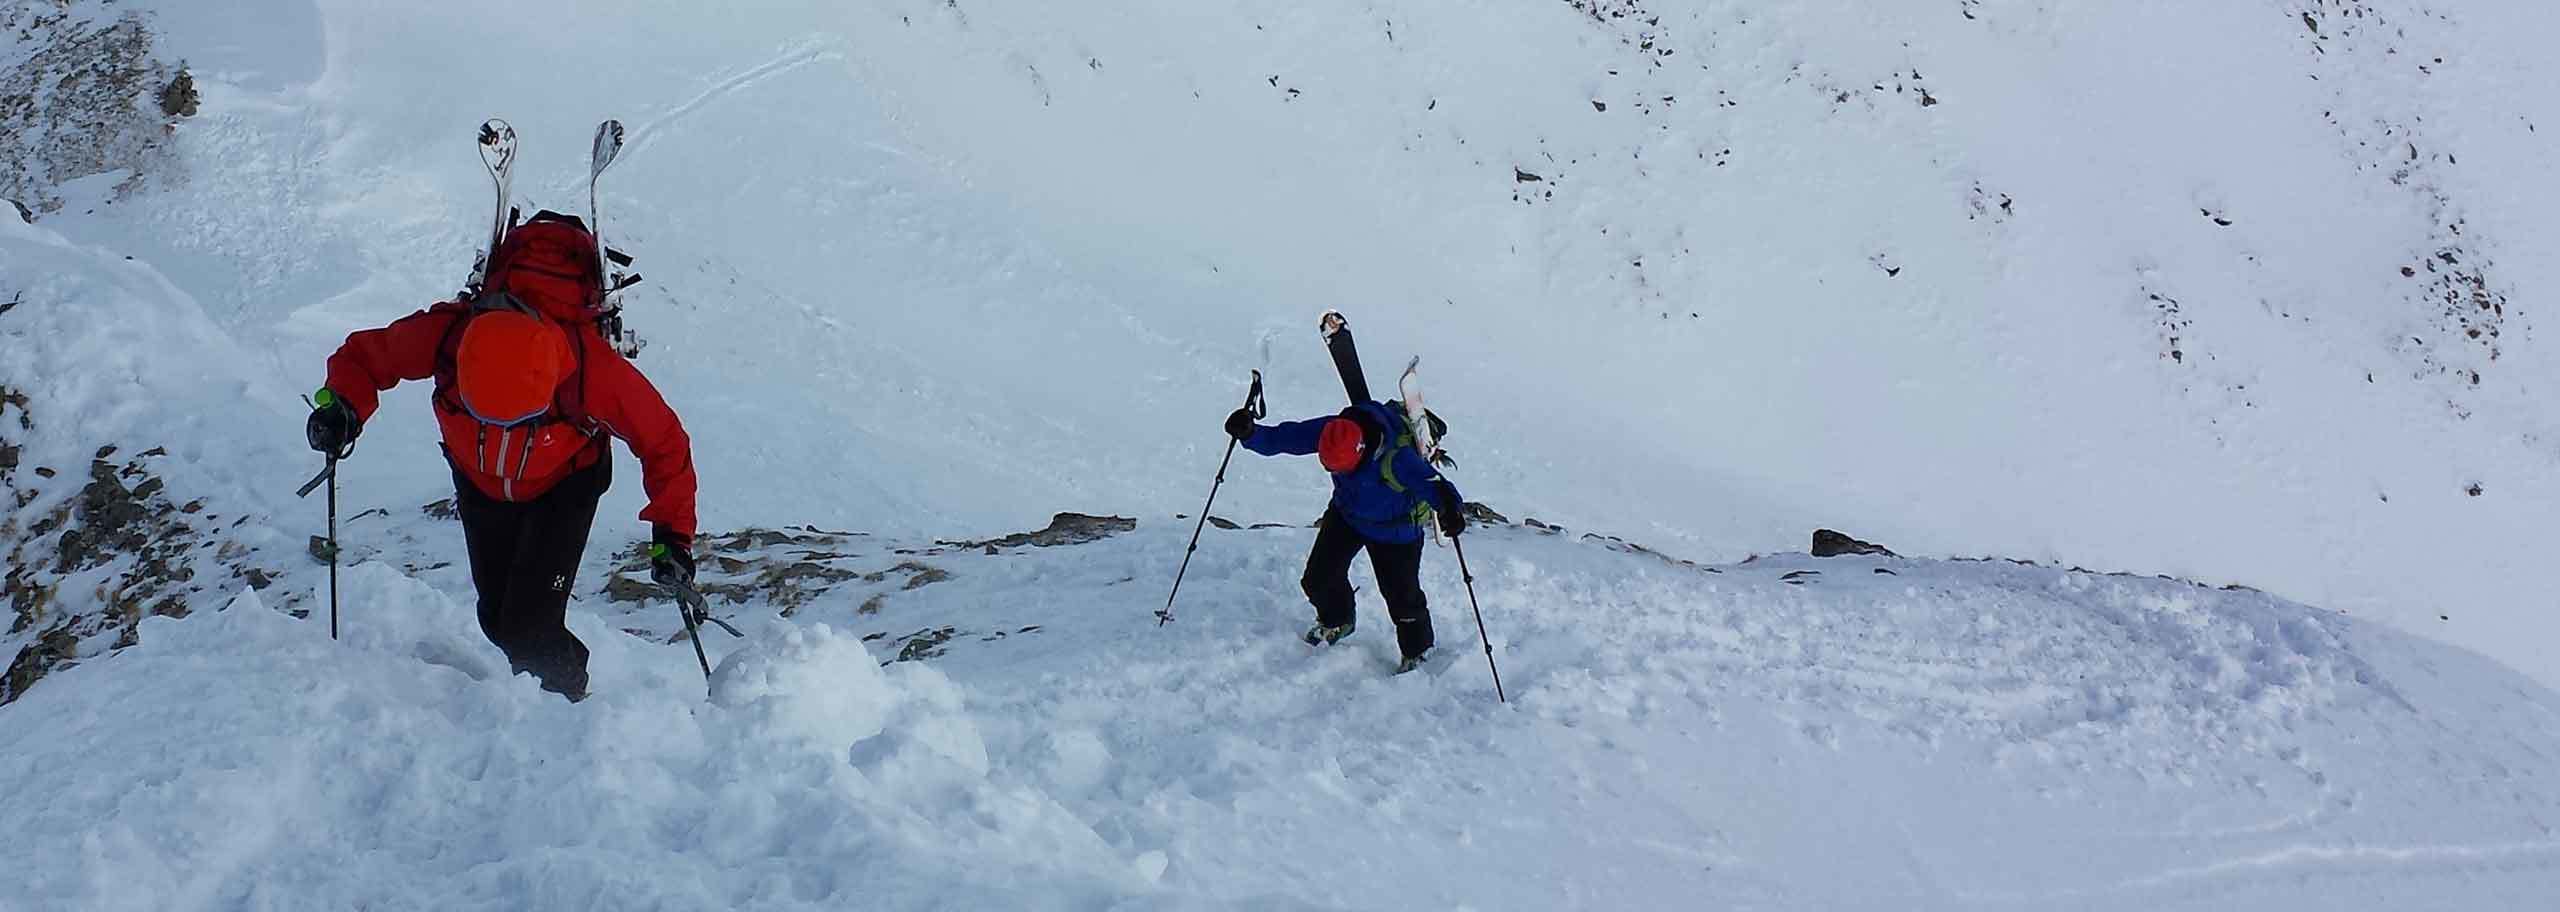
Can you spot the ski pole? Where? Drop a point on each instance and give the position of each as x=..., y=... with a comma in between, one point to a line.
x=1481, y=636
x=333, y=547
x=685, y=599
x=1253, y=404
x=329, y=476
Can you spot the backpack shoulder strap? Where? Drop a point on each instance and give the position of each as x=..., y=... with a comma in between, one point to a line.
x=570, y=401
x=447, y=349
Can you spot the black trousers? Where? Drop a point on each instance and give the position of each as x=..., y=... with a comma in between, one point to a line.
x=524, y=562
x=1399, y=569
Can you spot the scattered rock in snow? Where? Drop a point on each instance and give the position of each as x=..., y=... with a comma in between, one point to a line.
x=136, y=552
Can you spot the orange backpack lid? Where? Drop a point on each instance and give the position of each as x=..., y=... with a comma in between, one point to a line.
x=508, y=366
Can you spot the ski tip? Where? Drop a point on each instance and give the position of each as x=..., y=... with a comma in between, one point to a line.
x=608, y=142
x=1330, y=322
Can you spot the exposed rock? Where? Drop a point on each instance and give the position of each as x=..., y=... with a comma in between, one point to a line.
x=1064, y=529
x=924, y=644
x=178, y=98
x=111, y=522
x=53, y=650
x=1827, y=543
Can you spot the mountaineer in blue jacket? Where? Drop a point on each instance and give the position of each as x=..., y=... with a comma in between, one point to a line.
x=1384, y=491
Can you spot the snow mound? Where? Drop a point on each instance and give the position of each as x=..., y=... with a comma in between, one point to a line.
x=242, y=758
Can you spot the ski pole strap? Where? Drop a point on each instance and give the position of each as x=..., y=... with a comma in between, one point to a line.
x=698, y=609
x=326, y=473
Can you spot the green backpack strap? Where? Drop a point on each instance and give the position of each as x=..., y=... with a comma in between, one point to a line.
x=1387, y=472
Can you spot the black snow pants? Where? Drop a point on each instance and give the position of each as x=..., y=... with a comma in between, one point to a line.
x=524, y=561
x=1399, y=569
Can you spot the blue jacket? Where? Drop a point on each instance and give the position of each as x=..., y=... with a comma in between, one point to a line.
x=1367, y=497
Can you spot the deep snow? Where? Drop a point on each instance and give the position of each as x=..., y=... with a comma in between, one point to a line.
x=1950, y=736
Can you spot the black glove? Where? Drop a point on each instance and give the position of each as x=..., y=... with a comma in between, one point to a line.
x=1452, y=512
x=333, y=425
x=1240, y=424
x=670, y=557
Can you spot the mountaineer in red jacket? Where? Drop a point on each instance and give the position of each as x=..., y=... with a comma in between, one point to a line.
x=526, y=390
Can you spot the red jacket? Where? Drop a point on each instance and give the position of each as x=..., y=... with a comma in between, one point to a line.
x=605, y=395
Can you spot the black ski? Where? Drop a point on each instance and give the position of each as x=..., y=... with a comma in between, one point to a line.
x=1346, y=357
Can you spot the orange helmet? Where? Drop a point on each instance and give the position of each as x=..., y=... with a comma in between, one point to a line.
x=508, y=366
x=1342, y=445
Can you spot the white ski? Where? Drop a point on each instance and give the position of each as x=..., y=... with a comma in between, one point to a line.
x=607, y=147
x=498, y=154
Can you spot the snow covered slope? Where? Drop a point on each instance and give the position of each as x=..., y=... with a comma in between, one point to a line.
x=2118, y=285
x=1791, y=733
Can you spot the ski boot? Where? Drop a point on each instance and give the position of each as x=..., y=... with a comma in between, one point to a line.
x=1412, y=662
x=1321, y=635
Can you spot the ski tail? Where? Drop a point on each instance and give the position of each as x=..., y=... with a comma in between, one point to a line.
x=1415, y=416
